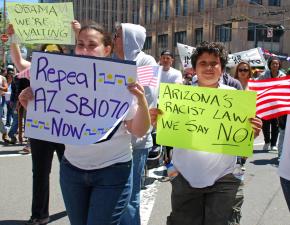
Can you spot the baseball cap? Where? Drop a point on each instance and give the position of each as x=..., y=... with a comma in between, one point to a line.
x=166, y=52
x=10, y=67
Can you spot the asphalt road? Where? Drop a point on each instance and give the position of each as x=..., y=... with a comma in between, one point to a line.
x=264, y=202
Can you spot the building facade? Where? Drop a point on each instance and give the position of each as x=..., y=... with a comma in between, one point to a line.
x=238, y=24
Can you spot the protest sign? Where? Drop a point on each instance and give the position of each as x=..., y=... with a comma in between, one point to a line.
x=77, y=100
x=206, y=119
x=185, y=52
x=37, y=23
x=253, y=56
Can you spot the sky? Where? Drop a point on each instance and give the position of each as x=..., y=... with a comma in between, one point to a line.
x=1, y=1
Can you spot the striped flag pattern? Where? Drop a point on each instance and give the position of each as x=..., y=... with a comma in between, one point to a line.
x=273, y=96
x=148, y=75
x=24, y=74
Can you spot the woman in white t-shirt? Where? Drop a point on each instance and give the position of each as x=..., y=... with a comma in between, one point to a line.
x=96, y=179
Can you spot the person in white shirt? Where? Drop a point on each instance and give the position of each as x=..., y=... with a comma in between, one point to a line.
x=204, y=190
x=284, y=165
x=96, y=179
x=169, y=74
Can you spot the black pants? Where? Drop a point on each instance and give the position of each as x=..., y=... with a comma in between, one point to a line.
x=202, y=206
x=42, y=155
x=270, y=128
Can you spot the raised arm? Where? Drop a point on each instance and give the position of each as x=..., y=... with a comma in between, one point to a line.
x=140, y=124
x=16, y=56
x=76, y=26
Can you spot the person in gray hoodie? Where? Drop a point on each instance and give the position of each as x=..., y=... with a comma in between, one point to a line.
x=128, y=43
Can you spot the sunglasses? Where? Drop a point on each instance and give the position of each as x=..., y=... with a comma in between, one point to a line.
x=243, y=70
x=117, y=35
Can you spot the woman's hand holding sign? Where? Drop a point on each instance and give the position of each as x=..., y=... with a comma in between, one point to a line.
x=257, y=125
x=140, y=124
x=25, y=96
x=154, y=112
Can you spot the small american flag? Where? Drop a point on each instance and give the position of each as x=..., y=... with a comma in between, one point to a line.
x=24, y=74
x=148, y=75
x=273, y=97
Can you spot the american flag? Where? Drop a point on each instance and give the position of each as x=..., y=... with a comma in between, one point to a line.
x=148, y=75
x=24, y=74
x=273, y=96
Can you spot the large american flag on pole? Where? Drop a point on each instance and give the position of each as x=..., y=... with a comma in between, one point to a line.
x=148, y=75
x=273, y=96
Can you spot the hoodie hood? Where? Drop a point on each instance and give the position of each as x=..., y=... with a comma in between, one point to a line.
x=133, y=40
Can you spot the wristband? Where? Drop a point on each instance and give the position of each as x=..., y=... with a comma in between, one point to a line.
x=14, y=39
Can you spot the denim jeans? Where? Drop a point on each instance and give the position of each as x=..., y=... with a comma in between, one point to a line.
x=280, y=141
x=202, y=206
x=286, y=190
x=14, y=125
x=9, y=112
x=132, y=213
x=95, y=197
x=2, y=126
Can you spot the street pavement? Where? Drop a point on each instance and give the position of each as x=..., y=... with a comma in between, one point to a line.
x=264, y=201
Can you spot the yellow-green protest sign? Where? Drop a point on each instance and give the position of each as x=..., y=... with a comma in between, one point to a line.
x=37, y=23
x=206, y=119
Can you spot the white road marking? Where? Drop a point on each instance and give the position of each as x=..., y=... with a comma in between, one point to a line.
x=260, y=143
x=148, y=196
x=12, y=155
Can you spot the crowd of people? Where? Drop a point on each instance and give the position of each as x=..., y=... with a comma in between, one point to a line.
x=111, y=172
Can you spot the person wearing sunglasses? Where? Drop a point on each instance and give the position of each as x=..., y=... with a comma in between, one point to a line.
x=243, y=73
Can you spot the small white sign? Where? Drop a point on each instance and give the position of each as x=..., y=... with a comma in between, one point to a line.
x=253, y=56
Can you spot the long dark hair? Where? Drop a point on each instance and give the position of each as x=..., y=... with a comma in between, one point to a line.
x=107, y=37
x=241, y=63
x=271, y=59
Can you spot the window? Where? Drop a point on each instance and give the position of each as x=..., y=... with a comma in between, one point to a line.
x=151, y=10
x=148, y=43
x=114, y=11
x=274, y=3
x=220, y=3
x=223, y=33
x=124, y=6
x=255, y=2
x=230, y=2
x=184, y=12
x=258, y=32
x=146, y=9
x=98, y=13
x=162, y=41
x=160, y=9
x=177, y=7
x=105, y=14
x=198, y=35
x=135, y=14
x=180, y=37
x=167, y=10
x=200, y=6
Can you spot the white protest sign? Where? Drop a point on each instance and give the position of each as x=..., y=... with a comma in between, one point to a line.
x=185, y=52
x=77, y=100
x=253, y=56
